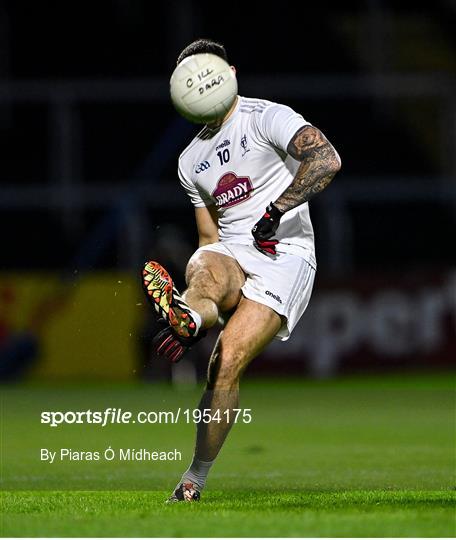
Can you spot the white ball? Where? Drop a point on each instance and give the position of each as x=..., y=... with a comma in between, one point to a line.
x=203, y=88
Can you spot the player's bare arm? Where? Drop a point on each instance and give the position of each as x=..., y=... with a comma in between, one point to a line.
x=319, y=164
x=207, y=225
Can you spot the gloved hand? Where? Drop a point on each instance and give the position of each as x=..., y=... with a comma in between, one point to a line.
x=172, y=346
x=265, y=229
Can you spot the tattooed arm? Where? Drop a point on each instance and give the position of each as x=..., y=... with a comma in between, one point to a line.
x=319, y=164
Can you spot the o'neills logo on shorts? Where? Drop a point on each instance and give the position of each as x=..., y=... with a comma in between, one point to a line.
x=232, y=189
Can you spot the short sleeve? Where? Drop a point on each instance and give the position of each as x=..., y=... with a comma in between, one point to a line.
x=198, y=199
x=278, y=124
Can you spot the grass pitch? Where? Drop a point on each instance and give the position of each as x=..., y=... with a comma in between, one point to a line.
x=351, y=457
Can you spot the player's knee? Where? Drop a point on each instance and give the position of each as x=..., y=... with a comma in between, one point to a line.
x=225, y=367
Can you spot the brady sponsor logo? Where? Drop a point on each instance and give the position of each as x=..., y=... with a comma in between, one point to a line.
x=203, y=166
x=224, y=144
x=232, y=189
x=275, y=296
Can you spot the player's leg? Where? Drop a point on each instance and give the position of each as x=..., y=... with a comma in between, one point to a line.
x=249, y=330
x=247, y=333
x=214, y=285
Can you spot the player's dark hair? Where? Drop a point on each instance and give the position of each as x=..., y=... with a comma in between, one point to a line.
x=203, y=46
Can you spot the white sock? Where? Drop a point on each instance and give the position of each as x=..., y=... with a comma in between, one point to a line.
x=197, y=473
x=195, y=315
x=198, y=320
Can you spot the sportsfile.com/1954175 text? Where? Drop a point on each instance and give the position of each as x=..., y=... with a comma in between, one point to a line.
x=111, y=415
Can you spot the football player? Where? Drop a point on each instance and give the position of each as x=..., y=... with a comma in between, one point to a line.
x=250, y=177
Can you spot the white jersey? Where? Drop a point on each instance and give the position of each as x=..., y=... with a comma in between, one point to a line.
x=243, y=165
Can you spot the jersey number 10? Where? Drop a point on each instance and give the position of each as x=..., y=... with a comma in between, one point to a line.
x=224, y=156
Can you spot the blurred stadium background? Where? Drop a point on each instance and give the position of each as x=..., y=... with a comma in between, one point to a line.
x=89, y=190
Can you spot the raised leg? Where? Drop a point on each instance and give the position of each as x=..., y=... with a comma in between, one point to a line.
x=214, y=285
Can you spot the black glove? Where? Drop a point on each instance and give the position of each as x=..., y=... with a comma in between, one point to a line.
x=168, y=344
x=265, y=229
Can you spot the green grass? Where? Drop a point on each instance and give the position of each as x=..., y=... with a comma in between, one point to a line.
x=352, y=457
x=237, y=513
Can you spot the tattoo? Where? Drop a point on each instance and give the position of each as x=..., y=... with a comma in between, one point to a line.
x=319, y=164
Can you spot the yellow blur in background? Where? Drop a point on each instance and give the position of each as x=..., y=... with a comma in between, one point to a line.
x=85, y=329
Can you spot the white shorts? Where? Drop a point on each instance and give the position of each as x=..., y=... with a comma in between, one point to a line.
x=283, y=282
